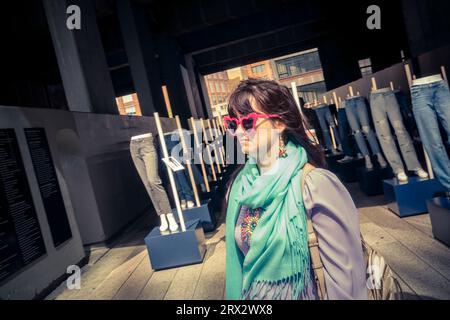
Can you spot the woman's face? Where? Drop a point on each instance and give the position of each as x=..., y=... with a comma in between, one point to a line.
x=261, y=140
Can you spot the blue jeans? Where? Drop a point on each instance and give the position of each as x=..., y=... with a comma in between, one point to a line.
x=385, y=109
x=407, y=114
x=358, y=118
x=326, y=121
x=431, y=105
x=181, y=177
x=344, y=132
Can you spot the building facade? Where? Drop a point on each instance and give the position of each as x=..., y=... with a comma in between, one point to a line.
x=129, y=105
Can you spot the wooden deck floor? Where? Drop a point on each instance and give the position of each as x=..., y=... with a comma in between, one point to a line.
x=122, y=270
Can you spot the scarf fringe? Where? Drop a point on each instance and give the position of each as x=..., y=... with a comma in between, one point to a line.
x=294, y=287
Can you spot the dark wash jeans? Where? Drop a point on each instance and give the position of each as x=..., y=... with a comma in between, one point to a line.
x=385, y=109
x=326, y=121
x=345, y=132
x=431, y=105
x=181, y=177
x=145, y=158
x=358, y=118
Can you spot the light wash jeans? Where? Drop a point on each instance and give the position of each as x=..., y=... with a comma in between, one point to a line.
x=145, y=158
x=326, y=121
x=385, y=109
x=431, y=105
x=358, y=118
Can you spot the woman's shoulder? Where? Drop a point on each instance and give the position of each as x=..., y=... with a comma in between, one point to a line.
x=322, y=185
x=320, y=176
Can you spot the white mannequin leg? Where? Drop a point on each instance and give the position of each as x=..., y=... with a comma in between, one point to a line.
x=164, y=225
x=173, y=226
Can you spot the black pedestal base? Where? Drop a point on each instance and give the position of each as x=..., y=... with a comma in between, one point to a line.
x=439, y=209
x=371, y=181
x=347, y=171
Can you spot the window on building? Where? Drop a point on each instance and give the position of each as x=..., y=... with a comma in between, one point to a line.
x=127, y=98
x=223, y=87
x=297, y=65
x=217, y=86
x=130, y=110
x=365, y=65
x=214, y=100
x=258, y=69
x=211, y=87
x=220, y=99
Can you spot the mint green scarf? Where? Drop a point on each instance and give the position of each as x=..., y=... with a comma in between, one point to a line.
x=279, y=251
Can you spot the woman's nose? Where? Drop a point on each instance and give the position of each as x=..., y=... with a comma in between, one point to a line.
x=240, y=131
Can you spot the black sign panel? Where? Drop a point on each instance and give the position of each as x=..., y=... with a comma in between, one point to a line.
x=48, y=185
x=21, y=239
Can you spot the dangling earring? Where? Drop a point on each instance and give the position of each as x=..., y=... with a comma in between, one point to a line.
x=282, y=148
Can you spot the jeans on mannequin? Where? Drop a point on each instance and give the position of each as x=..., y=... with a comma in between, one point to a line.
x=385, y=109
x=326, y=121
x=181, y=177
x=345, y=132
x=431, y=106
x=145, y=158
x=358, y=118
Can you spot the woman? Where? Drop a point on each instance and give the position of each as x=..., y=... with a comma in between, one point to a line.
x=266, y=225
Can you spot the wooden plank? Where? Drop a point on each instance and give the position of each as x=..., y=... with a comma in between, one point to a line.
x=157, y=286
x=96, y=254
x=212, y=278
x=217, y=236
x=408, y=292
x=99, y=271
x=136, y=282
x=417, y=274
x=429, y=250
x=422, y=223
x=114, y=281
x=184, y=283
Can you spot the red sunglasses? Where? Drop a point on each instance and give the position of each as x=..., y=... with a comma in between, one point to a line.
x=247, y=123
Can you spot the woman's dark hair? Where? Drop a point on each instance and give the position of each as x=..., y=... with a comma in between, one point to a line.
x=273, y=98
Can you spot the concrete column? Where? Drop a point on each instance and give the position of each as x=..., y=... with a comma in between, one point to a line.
x=202, y=81
x=81, y=58
x=141, y=57
x=196, y=90
x=170, y=63
x=339, y=64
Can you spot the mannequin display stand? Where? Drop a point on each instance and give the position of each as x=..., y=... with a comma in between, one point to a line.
x=203, y=213
x=209, y=195
x=439, y=209
x=407, y=199
x=202, y=210
x=176, y=249
x=371, y=181
x=347, y=171
x=332, y=161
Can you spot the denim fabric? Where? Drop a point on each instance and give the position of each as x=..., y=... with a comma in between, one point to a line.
x=407, y=114
x=358, y=118
x=326, y=121
x=344, y=132
x=145, y=158
x=385, y=109
x=431, y=105
x=181, y=177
